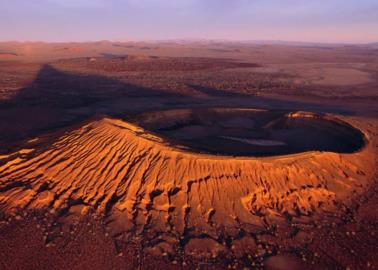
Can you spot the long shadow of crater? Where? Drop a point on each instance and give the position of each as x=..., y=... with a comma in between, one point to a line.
x=66, y=90
x=57, y=99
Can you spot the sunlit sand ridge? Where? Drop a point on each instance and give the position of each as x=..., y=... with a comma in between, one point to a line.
x=139, y=182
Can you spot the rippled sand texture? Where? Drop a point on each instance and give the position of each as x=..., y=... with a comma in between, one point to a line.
x=142, y=184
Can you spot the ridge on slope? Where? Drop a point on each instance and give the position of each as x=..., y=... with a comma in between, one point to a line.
x=141, y=184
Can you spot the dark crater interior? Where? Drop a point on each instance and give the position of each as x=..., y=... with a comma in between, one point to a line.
x=249, y=132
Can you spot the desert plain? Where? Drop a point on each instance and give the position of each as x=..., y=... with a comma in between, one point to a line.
x=188, y=155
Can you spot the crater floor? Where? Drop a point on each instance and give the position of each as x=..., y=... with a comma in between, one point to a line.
x=249, y=132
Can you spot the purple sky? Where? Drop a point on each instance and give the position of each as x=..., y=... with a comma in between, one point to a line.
x=89, y=20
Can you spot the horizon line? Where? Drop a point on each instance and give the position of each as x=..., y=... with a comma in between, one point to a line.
x=261, y=41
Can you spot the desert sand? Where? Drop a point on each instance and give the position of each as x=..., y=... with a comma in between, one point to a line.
x=185, y=156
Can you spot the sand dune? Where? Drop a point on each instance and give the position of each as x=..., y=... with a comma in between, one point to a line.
x=141, y=184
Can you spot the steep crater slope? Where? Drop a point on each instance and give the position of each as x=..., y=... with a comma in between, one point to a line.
x=171, y=200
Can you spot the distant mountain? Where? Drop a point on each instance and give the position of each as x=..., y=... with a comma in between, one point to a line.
x=374, y=45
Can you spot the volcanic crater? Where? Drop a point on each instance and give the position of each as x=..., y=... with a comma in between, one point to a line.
x=155, y=184
x=252, y=132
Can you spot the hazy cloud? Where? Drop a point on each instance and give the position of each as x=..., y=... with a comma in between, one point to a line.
x=80, y=3
x=321, y=20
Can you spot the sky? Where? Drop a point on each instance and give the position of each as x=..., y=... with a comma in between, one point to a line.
x=331, y=21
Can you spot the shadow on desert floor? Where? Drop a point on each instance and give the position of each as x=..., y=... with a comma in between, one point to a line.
x=58, y=99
